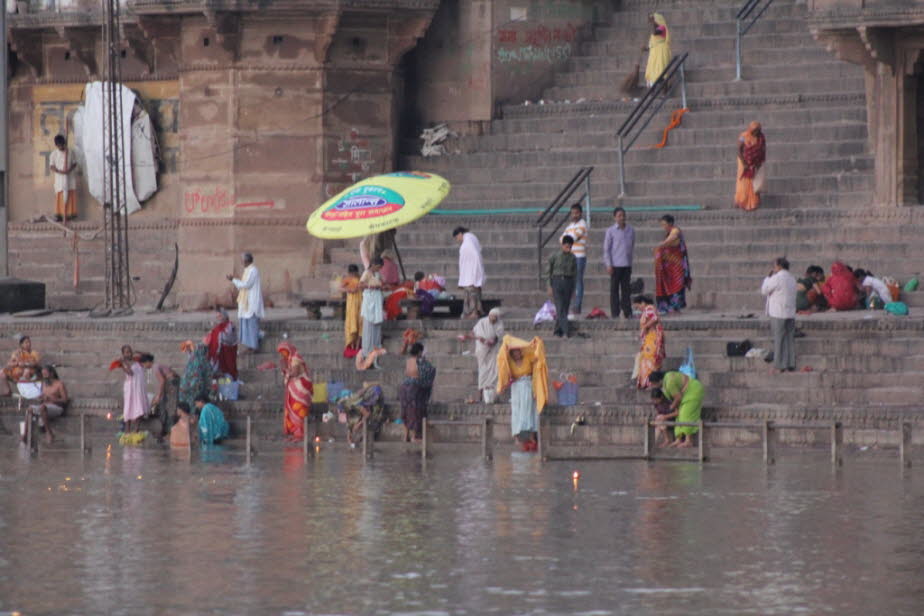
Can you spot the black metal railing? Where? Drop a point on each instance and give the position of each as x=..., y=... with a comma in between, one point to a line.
x=647, y=108
x=751, y=11
x=565, y=197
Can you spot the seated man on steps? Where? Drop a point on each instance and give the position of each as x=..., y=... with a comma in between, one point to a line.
x=53, y=401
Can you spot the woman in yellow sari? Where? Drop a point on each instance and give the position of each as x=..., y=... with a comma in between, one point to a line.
x=752, y=152
x=352, y=321
x=652, y=352
x=658, y=48
x=521, y=365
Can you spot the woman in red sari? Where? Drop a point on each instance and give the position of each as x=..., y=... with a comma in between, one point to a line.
x=672, y=269
x=298, y=390
x=752, y=152
x=840, y=288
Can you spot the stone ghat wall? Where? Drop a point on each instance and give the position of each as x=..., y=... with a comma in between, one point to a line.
x=865, y=373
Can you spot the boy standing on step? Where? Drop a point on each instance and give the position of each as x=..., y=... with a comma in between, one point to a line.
x=577, y=229
x=562, y=276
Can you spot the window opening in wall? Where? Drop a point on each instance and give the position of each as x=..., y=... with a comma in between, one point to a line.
x=277, y=39
x=205, y=41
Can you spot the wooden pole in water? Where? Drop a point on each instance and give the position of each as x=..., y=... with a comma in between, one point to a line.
x=487, y=438
x=367, y=446
x=646, y=439
x=543, y=439
x=305, y=438
x=769, y=449
x=702, y=442
x=83, y=433
x=837, y=439
x=249, y=449
x=904, y=444
x=424, y=440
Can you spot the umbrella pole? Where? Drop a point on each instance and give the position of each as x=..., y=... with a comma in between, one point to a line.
x=394, y=245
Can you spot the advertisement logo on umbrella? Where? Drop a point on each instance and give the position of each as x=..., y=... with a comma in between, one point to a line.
x=365, y=202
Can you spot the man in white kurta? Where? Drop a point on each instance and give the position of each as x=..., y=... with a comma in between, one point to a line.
x=63, y=165
x=249, y=304
x=471, y=272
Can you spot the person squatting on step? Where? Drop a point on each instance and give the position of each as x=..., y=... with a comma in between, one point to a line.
x=562, y=274
x=779, y=287
x=577, y=229
x=22, y=366
x=618, y=247
x=686, y=398
x=471, y=271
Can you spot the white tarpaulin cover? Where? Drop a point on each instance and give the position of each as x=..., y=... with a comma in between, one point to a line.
x=139, y=166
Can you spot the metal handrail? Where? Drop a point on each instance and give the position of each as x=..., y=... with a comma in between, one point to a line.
x=746, y=14
x=655, y=97
x=582, y=177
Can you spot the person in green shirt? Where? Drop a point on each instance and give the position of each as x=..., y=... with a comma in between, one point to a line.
x=686, y=398
x=562, y=277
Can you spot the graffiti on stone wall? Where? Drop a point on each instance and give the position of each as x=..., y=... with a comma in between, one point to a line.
x=219, y=201
x=53, y=112
x=536, y=45
x=350, y=159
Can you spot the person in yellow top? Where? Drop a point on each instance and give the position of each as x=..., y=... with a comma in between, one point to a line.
x=521, y=365
x=658, y=48
x=352, y=321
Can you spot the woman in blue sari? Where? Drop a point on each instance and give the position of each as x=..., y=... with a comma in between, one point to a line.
x=212, y=425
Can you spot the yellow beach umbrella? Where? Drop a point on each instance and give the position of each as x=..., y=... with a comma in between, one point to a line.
x=377, y=204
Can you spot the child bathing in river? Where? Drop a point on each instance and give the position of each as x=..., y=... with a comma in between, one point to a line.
x=662, y=407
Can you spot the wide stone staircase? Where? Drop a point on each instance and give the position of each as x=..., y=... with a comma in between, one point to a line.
x=811, y=105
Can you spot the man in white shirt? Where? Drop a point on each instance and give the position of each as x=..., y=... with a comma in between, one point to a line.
x=63, y=164
x=577, y=229
x=249, y=304
x=779, y=287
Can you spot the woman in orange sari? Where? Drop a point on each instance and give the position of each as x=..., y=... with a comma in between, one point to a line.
x=652, y=352
x=672, y=269
x=23, y=365
x=298, y=390
x=752, y=152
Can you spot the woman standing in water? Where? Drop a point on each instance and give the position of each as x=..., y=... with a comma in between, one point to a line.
x=522, y=367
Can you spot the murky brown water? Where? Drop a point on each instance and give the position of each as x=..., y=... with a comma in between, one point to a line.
x=140, y=532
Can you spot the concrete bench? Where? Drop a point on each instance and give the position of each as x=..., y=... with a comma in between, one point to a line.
x=313, y=307
x=453, y=307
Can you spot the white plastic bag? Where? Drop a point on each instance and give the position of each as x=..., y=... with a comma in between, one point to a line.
x=546, y=313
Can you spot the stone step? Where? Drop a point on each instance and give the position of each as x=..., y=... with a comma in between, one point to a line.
x=718, y=89
x=703, y=118
x=605, y=137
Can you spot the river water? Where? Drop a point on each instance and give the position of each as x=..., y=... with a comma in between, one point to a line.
x=139, y=531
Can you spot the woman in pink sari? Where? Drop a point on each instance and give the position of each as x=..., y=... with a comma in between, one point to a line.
x=672, y=269
x=652, y=351
x=299, y=390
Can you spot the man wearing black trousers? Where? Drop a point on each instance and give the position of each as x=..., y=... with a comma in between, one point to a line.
x=562, y=276
x=618, y=246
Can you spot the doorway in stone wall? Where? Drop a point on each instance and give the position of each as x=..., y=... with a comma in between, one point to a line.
x=407, y=106
x=919, y=119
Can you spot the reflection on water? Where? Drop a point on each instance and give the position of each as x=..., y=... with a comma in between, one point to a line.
x=147, y=530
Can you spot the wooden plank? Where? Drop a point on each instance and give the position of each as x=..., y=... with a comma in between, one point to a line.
x=904, y=444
